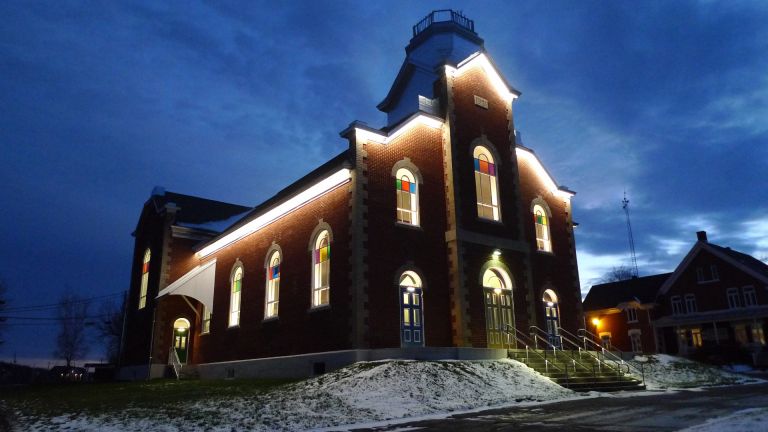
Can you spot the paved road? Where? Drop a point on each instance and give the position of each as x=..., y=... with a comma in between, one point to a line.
x=653, y=412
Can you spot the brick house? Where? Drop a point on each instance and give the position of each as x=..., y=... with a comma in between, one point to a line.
x=430, y=237
x=713, y=307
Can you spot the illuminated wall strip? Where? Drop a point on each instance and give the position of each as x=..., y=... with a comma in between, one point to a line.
x=386, y=139
x=482, y=60
x=327, y=184
x=542, y=173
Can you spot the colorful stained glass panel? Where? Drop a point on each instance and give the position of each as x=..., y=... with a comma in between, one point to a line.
x=322, y=254
x=485, y=167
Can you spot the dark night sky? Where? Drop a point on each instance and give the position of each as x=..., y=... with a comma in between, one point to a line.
x=100, y=102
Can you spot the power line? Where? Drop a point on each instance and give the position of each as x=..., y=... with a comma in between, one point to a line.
x=57, y=319
x=56, y=305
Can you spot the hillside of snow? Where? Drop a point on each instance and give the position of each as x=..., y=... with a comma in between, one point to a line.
x=363, y=392
x=664, y=371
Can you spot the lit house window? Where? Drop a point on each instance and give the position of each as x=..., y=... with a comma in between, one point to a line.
x=321, y=269
x=540, y=219
x=750, y=298
x=733, y=298
x=206, y=327
x=690, y=303
x=696, y=340
x=677, y=305
x=631, y=315
x=234, y=300
x=273, y=286
x=486, y=185
x=144, y=279
x=407, y=197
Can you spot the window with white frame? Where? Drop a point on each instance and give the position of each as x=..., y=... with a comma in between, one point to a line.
x=733, y=298
x=486, y=184
x=631, y=314
x=677, y=305
x=750, y=297
x=272, y=299
x=700, y=274
x=407, y=197
x=206, y=327
x=714, y=273
x=690, y=303
x=234, y=299
x=636, y=340
x=541, y=222
x=321, y=269
x=144, y=279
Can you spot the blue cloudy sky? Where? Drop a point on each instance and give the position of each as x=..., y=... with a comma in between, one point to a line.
x=101, y=101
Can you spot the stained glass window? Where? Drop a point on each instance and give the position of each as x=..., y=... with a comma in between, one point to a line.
x=321, y=269
x=407, y=197
x=486, y=185
x=540, y=220
x=273, y=286
x=234, y=301
x=144, y=279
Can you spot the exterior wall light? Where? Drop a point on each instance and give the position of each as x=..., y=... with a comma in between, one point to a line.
x=596, y=322
x=550, y=304
x=496, y=253
x=497, y=291
x=410, y=289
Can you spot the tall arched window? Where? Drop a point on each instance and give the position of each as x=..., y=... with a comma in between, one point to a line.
x=273, y=286
x=407, y=197
x=234, y=299
x=144, y=279
x=321, y=269
x=540, y=219
x=486, y=184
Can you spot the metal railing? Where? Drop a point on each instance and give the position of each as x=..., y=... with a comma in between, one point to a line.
x=173, y=360
x=609, y=355
x=521, y=339
x=443, y=15
x=545, y=337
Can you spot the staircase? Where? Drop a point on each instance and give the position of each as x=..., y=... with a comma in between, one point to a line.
x=586, y=374
x=569, y=362
x=180, y=370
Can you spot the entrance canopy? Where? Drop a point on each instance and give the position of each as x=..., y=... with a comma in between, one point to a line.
x=197, y=283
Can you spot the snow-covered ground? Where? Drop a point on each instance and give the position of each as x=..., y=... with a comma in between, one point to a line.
x=748, y=420
x=376, y=392
x=363, y=392
x=664, y=371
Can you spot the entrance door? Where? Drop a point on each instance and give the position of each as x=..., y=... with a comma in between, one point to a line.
x=411, y=317
x=552, y=317
x=181, y=339
x=498, y=314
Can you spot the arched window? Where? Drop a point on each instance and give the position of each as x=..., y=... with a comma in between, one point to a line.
x=144, y=279
x=407, y=197
x=540, y=219
x=234, y=299
x=273, y=285
x=551, y=316
x=486, y=185
x=496, y=279
x=321, y=269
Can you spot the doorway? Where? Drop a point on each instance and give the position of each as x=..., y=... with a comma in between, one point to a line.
x=181, y=339
x=499, y=316
x=551, y=317
x=411, y=310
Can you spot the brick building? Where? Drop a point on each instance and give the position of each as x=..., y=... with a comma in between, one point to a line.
x=430, y=237
x=713, y=307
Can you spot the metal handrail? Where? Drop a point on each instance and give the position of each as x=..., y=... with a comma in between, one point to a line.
x=618, y=359
x=175, y=362
x=520, y=338
x=536, y=331
x=600, y=362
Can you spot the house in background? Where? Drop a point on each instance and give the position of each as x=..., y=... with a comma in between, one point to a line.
x=432, y=237
x=713, y=307
x=619, y=313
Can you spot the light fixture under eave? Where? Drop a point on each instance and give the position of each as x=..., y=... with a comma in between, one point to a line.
x=595, y=322
x=325, y=185
x=405, y=127
x=530, y=158
x=496, y=253
x=410, y=289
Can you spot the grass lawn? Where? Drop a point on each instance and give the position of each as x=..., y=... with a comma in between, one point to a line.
x=103, y=398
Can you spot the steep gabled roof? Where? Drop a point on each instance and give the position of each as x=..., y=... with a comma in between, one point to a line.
x=608, y=295
x=740, y=260
x=193, y=210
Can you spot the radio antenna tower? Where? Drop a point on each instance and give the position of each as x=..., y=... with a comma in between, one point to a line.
x=625, y=206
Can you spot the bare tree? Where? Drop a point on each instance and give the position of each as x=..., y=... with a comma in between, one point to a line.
x=109, y=328
x=3, y=305
x=616, y=274
x=71, y=342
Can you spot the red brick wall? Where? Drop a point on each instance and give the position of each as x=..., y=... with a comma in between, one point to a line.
x=616, y=324
x=392, y=246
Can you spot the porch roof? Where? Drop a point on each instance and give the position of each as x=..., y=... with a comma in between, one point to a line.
x=737, y=314
x=197, y=283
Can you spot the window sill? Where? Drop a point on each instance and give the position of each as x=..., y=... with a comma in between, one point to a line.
x=633, y=322
x=409, y=226
x=236, y=326
x=705, y=282
x=319, y=308
x=206, y=333
x=271, y=319
x=545, y=253
x=490, y=221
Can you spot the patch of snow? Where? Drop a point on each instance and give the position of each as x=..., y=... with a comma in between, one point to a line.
x=361, y=393
x=663, y=371
x=738, y=368
x=748, y=420
x=217, y=226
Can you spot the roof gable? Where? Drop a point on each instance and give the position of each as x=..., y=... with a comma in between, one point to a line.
x=609, y=295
